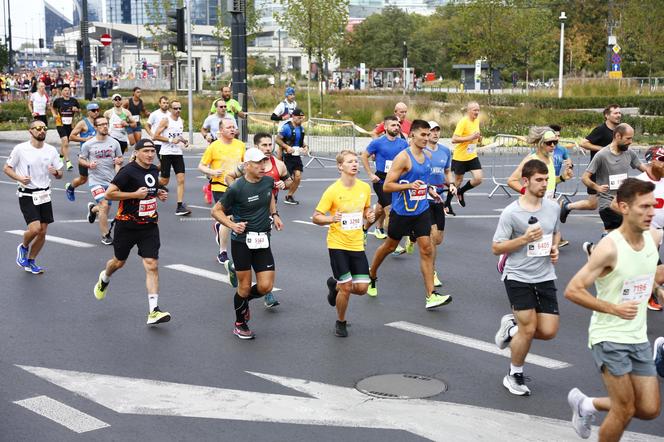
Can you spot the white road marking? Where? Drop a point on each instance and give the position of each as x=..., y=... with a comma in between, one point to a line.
x=74, y=221
x=215, y=276
x=326, y=405
x=57, y=239
x=475, y=344
x=191, y=206
x=194, y=218
x=62, y=414
x=13, y=183
x=309, y=223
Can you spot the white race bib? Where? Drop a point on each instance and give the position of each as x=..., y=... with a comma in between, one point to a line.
x=147, y=207
x=351, y=221
x=540, y=248
x=638, y=288
x=41, y=197
x=136, y=118
x=550, y=194
x=98, y=192
x=419, y=194
x=616, y=180
x=257, y=240
x=388, y=165
x=67, y=120
x=471, y=148
x=296, y=151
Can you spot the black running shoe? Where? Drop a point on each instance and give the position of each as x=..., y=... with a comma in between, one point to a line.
x=332, y=291
x=564, y=212
x=340, y=329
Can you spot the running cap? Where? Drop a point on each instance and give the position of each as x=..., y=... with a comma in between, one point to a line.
x=289, y=91
x=297, y=112
x=655, y=153
x=549, y=135
x=433, y=125
x=92, y=106
x=144, y=143
x=254, y=155
x=116, y=95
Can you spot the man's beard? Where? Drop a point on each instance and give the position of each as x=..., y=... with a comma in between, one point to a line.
x=41, y=136
x=623, y=147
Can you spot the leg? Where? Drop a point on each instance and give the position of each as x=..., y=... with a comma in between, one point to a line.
x=39, y=240
x=621, y=394
x=477, y=178
x=180, y=192
x=243, y=283
x=547, y=326
x=297, y=177
x=113, y=265
x=436, y=240
x=151, y=266
x=426, y=262
x=527, y=322
x=64, y=148
x=102, y=211
x=79, y=181
x=164, y=180
x=385, y=249
x=588, y=204
x=224, y=234
x=343, y=294
x=647, y=402
x=265, y=282
x=34, y=229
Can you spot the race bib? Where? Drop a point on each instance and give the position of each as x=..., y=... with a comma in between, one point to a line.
x=418, y=194
x=388, y=165
x=296, y=151
x=147, y=207
x=351, y=221
x=41, y=197
x=616, y=180
x=257, y=240
x=67, y=120
x=136, y=118
x=98, y=192
x=471, y=148
x=540, y=248
x=638, y=288
x=550, y=194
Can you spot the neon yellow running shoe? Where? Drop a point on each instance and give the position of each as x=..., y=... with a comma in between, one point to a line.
x=436, y=281
x=372, y=290
x=379, y=233
x=156, y=316
x=100, y=288
x=398, y=251
x=436, y=300
x=410, y=246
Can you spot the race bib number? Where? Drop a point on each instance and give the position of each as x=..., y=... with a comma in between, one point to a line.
x=351, y=221
x=136, y=118
x=616, y=180
x=41, y=197
x=540, y=248
x=257, y=240
x=67, y=120
x=388, y=165
x=638, y=288
x=147, y=207
x=98, y=192
x=418, y=194
x=471, y=148
x=296, y=151
x=550, y=194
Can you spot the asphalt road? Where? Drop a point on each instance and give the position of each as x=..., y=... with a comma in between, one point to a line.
x=53, y=321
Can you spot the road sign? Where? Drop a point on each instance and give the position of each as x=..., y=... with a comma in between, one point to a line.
x=615, y=67
x=106, y=39
x=616, y=48
x=615, y=58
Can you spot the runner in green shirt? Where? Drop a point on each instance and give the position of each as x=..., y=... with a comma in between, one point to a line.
x=233, y=107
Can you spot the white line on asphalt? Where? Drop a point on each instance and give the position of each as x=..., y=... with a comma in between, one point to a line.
x=474, y=343
x=13, y=183
x=199, y=207
x=62, y=414
x=200, y=218
x=57, y=239
x=309, y=223
x=67, y=221
x=215, y=276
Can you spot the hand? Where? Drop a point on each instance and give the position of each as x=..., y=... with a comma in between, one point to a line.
x=239, y=227
x=162, y=195
x=337, y=217
x=118, y=160
x=626, y=310
x=603, y=188
x=476, y=136
x=533, y=234
x=305, y=148
x=24, y=179
x=555, y=253
x=52, y=170
x=374, y=178
x=141, y=193
x=415, y=185
x=208, y=138
x=123, y=123
x=437, y=198
x=371, y=215
x=92, y=165
x=452, y=188
x=217, y=172
x=280, y=185
x=278, y=224
x=75, y=109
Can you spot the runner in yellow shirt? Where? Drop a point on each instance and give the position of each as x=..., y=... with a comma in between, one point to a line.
x=464, y=159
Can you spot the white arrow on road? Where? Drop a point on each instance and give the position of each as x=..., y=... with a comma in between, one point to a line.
x=329, y=405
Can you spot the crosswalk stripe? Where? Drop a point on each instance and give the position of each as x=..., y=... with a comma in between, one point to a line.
x=62, y=414
x=215, y=276
x=57, y=239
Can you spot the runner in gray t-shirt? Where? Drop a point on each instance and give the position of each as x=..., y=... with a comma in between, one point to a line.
x=531, y=249
x=102, y=156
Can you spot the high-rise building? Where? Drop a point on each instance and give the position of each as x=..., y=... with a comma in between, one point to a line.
x=203, y=12
x=55, y=23
x=94, y=11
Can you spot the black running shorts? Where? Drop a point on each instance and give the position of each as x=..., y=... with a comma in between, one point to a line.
x=611, y=219
x=64, y=131
x=349, y=266
x=384, y=199
x=437, y=212
x=293, y=163
x=461, y=167
x=413, y=226
x=244, y=258
x=540, y=296
x=129, y=234
x=31, y=213
x=177, y=161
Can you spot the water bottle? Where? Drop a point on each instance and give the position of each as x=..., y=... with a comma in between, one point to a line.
x=534, y=222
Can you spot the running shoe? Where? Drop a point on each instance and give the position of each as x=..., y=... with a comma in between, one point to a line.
x=242, y=331
x=230, y=269
x=436, y=281
x=33, y=268
x=564, y=211
x=290, y=200
x=516, y=384
x=207, y=193
x=587, y=248
x=653, y=304
x=222, y=257
x=332, y=291
x=563, y=243
x=100, y=288
x=658, y=355
x=500, y=266
x=410, y=245
x=216, y=227
x=107, y=239
x=461, y=199
x=582, y=424
x=156, y=316
x=398, y=251
x=449, y=210
x=21, y=255
x=70, y=166
x=379, y=233
x=69, y=191
x=91, y=215
x=270, y=301
x=437, y=300
x=372, y=290
x=365, y=237
x=502, y=338
x=340, y=329
x=182, y=210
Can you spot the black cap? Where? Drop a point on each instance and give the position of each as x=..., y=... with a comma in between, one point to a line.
x=143, y=142
x=297, y=112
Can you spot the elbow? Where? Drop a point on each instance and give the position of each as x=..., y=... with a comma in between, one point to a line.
x=495, y=249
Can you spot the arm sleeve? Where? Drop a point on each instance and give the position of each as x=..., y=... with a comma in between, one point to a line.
x=121, y=180
x=13, y=158
x=207, y=155
x=636, y=162
x=504, y=229
x=460, y=128
x=118, y=149
x=85, y=151
x=372, y=148
x=594, y=136
x=206, y=124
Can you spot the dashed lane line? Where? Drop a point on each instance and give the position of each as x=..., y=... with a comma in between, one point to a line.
x=57, y=239
x=62, y=414
x=203, y=273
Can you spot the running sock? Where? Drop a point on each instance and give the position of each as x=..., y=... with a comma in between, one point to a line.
x=587, y=407
x=448, y=200
x=241, y=306
x=153, y=301
x=513, y=330
x=253, y=293
x=466, y=187
x=105, y=278
x=514, y=369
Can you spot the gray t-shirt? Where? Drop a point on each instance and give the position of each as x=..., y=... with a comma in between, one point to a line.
x=211, y=123
x=611, y=169
x=103, y=153
x=513, y=223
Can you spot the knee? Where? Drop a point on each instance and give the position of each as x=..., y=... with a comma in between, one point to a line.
x=180, y=178
x=426, y=250
x=345, y=288
x=360, y=289
x=547, y=334
x=647, y=412
x=527, y=330
x=150, y=264
x=265, y=287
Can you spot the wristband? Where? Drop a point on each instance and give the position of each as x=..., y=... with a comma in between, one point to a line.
x=523, y=190
x=275, y=214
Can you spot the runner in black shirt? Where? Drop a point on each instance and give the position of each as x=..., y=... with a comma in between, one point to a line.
x=136, y=188
x=64, y=109
x=137, y=109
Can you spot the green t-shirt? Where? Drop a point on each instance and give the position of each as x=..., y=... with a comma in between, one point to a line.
x=232, y=107
x=249, y=202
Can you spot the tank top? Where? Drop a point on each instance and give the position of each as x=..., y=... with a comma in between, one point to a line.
x=274, y=173
x=551, y=184
x=117, y=131
x=135, y=109
x=413, y=202
x=632, y=278
x=89, y=130
x=174, y=129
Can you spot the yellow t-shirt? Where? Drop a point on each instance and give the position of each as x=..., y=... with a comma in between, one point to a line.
x=351, y=202
x=223, y=156
x=466, y=151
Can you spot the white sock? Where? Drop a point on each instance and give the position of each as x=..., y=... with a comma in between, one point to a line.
x=514, y=369
x=104, y=277
x=513, y=330
x=153, y=301
x=587, y=407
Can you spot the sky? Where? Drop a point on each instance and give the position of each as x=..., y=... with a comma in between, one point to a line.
x=28, y=18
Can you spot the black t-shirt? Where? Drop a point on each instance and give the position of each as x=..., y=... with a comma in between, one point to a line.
x=65, y=108
x=600, y=136
x=129, y=179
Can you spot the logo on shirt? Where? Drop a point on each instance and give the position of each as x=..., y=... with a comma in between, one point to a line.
x=149, y=180
x=251, y=199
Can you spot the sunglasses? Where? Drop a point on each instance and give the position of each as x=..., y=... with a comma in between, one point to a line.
x=117, y=99
x=221, y=107
x=176, y=108
x=94, y=110
x=550, y=143
x=39, y=128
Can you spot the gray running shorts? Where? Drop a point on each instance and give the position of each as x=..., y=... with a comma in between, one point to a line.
x=621, y=359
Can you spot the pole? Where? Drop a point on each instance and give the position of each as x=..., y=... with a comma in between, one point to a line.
x=87, y=77
x=560, y=62
x=138, y=36
x=110, y=47
x=405, y=67
x=9, y=26
x=190, y=94
x=239, y=61
x=279, y=59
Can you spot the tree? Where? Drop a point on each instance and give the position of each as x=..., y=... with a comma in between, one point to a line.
x=640, y=32
x=4, y=57
x=157, y=22
x=222, y=30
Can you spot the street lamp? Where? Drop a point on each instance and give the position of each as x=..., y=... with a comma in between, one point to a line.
x=562, y=19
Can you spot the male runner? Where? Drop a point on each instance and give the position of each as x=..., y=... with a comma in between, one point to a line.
x=119, y=119
x=137, y=110
x=31, y=165
x=154, y=119
x=169, y=132
x=464, y=159
x=82, y=132
x=250, y=202
x=102, y=156
x=136, y=187
x=623, y=267
x=63, y=109
x=532, y=250
x=291, y=146
x=348, y=202
x=285, y=109
x=407, y=181
x=210, y=127
x=400, y=111
x=600, y=137
x=233, y=107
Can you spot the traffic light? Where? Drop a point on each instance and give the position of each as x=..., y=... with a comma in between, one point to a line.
x=177, y=27
x=79, y=50
x=41, y=43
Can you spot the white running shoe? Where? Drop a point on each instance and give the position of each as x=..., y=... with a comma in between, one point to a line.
x=582, y=424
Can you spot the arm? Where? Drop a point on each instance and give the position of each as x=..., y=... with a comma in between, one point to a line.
x=158, y=132
x=323, y=220
x=514, y=181
x=115, y=194
x=219, y=214
x=399, y=167
x=585, y=178
x=11, y=173
x=589, y=146
x=76, y=131
x=283, y=147
x=364, y=157
x=205, y=168
x=32, y=112
x=276, y=218
x=206, y=132
x=450, y=181
x=456, y=139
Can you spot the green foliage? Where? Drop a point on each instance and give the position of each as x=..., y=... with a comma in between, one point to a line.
x=15, y=111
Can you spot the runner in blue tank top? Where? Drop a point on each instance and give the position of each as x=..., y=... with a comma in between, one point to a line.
x=82, y=132
x=407, y=181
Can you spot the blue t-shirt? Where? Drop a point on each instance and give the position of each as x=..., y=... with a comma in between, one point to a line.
x=287, y=132
x=385, y=150
x=560, y=154
x=441, y=160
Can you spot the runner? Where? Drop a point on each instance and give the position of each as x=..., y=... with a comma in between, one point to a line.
x=102, y=155
x=82, y=132
x=31, y=165
x=250, y=202
x=154, y=119
x=623, y=267
x=600, y=137
x=466, y=136
x=119, y=120
x=63, y=109
x=169, y=132
x=210, y=127
x=348, y=201
x=38, y=102
x=544, y=140
x=285, y=109
x=291, y=146
x=528, y=233
x=407, y=181
x=564, y=168
x=136, y=188
x=220, y=158
x=233, y=107
x=400, y=111
x=137, y=110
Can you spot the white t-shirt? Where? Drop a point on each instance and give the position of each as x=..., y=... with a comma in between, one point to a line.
x=285, y=107
x=212, y=122
x=174, y=129
x=39, y=103
x=28, y=160
x=154, y=119
x=658, y=219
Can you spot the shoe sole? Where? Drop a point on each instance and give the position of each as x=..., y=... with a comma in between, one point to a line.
x=243, y=337
x=183, y=213
x=507, y=385
x=575, y=413
x=29, y=270
x=161, y=320
x=288, y=202
x=447, y=301
x=339, y=335
x=499, y=335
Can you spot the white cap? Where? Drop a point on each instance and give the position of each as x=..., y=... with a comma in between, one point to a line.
x=433, y=125
x=254, y=155
x=116, y=95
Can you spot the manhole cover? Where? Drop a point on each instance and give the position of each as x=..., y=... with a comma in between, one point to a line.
x=401, y=386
